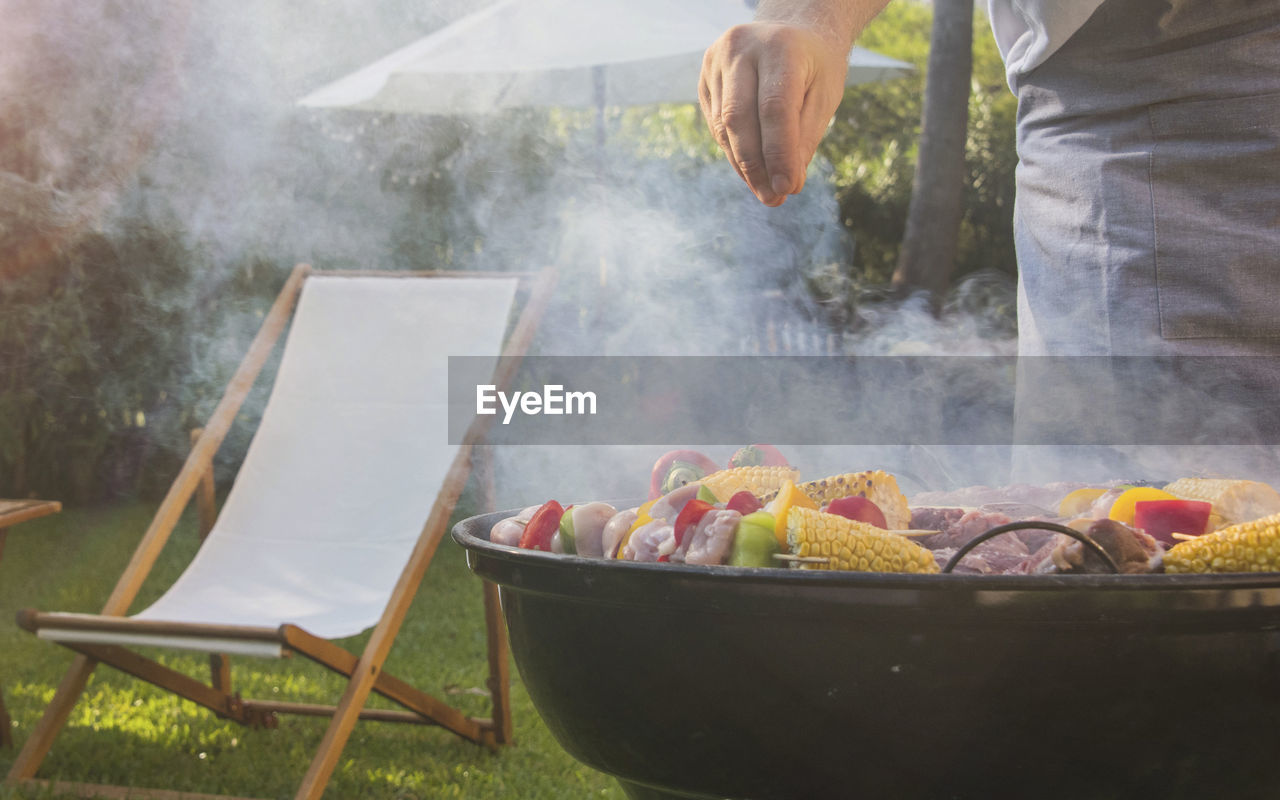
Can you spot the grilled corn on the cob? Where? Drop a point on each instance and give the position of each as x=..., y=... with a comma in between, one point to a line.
x=1234, y=501
x=878, y=486
x=1246, y=547
x=757, y=480
x=851, y=545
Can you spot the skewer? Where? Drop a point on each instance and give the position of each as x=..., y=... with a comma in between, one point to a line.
x=1183, y=536
x=802, y=559
x=915, y=532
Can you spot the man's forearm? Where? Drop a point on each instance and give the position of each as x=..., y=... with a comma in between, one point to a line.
x=839, y=21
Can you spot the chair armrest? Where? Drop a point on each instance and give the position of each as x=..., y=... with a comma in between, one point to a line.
x=14, y=511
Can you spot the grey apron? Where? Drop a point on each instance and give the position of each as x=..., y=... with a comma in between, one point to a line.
x=1147, y=219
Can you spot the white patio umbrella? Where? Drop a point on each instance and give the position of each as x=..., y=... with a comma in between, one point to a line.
x=564, y=53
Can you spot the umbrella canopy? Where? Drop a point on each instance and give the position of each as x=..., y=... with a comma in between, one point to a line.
x=565, y=53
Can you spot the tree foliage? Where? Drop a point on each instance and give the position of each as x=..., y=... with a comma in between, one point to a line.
x=110, y=360
x=873, y=145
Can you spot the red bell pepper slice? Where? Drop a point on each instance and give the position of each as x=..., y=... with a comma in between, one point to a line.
x=1163, y=518
x=858, y=508
x=689, y=517
x=542, y=526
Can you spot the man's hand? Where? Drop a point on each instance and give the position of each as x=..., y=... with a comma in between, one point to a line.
x=768, y=91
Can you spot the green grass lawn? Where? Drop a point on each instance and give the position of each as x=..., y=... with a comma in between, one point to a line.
x=124, y=731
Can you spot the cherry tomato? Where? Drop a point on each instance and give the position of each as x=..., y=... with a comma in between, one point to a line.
x=744, y=503
x=858, y=508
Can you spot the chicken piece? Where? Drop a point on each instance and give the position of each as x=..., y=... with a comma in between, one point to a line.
x=651, y=541
x=615, y=530
x=589, y=521
x=508, y=531
x=669, y=505
x=1101, y=507
x=712, y=539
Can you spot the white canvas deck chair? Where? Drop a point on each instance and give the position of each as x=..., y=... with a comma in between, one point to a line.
x=343, y=496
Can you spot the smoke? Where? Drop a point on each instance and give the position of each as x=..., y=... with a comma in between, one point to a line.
x=69, y=134
x=184, y=117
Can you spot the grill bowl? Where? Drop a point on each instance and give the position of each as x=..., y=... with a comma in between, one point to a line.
x=721, y=682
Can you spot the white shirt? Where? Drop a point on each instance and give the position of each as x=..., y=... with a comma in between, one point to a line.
x=1029, y=31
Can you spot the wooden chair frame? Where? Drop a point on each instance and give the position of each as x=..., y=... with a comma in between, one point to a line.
x=363, y=671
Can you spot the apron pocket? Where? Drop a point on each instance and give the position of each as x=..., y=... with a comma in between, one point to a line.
x=1215, y=193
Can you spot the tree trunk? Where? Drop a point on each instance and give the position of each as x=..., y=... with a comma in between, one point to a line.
x=928, y=252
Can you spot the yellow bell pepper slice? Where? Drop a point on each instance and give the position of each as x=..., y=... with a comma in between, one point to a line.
x=642, y=517
x=1122, y=509
x=788, y=496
